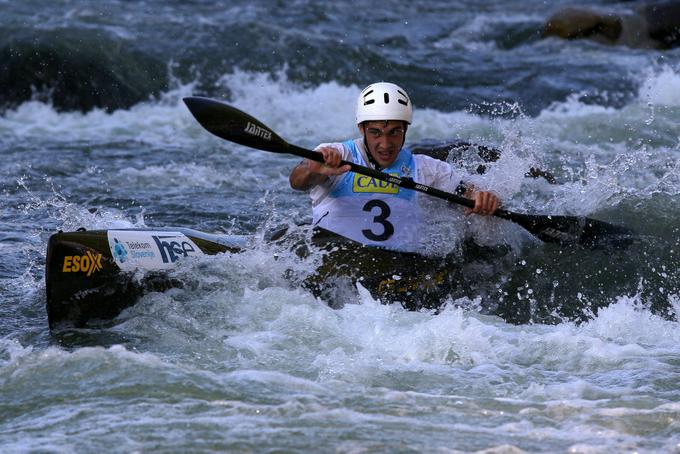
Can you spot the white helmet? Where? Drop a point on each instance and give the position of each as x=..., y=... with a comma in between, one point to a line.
x=384, y=101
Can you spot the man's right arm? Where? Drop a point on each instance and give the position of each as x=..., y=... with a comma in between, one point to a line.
x=303, y=179
x=310, y=173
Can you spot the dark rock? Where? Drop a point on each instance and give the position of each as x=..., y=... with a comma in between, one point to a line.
x=76, y=70
x=653, y=25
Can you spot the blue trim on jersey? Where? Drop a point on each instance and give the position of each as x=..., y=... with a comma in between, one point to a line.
x=404, y=166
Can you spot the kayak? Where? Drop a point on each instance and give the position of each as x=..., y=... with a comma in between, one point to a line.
x=91, y=276
x=94, y=275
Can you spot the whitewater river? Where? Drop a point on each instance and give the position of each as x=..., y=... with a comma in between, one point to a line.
x=545, y=349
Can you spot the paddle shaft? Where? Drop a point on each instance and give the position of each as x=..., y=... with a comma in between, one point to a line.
x=407, y=183
x=552, y=229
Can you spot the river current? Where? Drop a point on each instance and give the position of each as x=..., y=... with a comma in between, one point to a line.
x=551, y=349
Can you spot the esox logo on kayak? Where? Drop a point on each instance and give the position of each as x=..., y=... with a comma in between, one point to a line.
x=258, y=131
x=88, y=264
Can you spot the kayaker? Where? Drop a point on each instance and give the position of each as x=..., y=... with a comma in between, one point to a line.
x=369, y=211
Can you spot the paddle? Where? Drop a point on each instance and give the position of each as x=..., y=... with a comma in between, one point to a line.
x=236, y=126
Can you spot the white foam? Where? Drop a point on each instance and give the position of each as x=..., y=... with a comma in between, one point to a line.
x=11, y=350
x=162, y=122
x=267, y=378
x=310, y=114
x=470, y=35
x=661, y=87
x=297, y=114
x=188, y=175
x=29, y=363
x=608, y=153
x=268, y=319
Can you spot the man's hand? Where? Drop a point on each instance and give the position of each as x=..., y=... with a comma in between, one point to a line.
x=331, y=164
x=309, y=173
x=486, y=203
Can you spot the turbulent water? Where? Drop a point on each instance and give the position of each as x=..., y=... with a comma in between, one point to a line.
x=548, y=349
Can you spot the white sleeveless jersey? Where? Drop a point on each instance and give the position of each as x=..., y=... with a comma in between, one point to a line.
x=375, y=212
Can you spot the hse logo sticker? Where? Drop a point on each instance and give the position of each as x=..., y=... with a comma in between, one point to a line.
x=88, y=264
x=172, y=247
x=362, y=183
x=149, y=250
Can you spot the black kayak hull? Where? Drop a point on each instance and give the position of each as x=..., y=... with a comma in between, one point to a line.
x=91, y=276
x=94, y=275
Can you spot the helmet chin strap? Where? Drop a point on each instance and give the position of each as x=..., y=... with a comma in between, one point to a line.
x=370, y=156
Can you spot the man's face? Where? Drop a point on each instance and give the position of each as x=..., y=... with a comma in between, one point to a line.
x=384, y=140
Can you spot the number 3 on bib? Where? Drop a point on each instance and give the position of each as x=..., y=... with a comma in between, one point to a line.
x=380, y=218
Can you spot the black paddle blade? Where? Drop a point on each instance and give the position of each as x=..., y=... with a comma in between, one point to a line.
x=234, y=125
x=569, y=230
